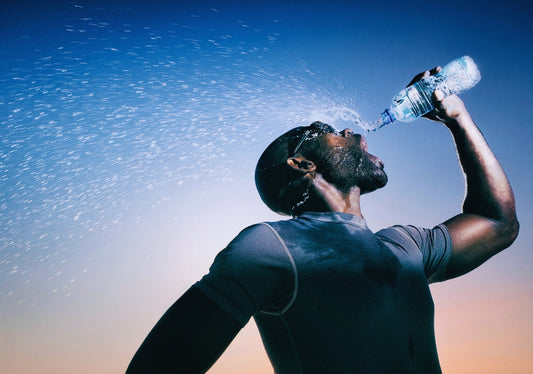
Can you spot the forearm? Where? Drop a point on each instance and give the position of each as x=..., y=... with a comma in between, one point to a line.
x=487, y=223
x=488, y=192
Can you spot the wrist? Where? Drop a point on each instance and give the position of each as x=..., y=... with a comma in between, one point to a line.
x=461, y=120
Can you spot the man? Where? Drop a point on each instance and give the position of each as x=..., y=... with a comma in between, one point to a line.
x=329, y=295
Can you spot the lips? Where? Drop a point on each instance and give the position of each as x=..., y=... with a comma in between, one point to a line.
x=364, y=145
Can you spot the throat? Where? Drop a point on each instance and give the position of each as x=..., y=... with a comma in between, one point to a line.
x=326, y=197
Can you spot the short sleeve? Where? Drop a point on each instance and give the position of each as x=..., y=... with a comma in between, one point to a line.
x=252, y=273
x=434, y=244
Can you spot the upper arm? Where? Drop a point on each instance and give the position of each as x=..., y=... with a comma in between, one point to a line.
x=252, y=273
x=189, y=337
x=475, y=239
x=429, y=247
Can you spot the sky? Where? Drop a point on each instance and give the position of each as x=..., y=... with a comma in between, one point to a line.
x=130, y=132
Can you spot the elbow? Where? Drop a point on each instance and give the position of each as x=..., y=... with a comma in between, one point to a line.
x=509, y=231
x=515, y=229
x=511, y=224
x=508, y=225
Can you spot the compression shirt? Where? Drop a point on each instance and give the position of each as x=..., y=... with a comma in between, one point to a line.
x=330, y=296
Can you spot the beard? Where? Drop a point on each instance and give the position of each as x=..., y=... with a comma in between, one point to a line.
x=350, y=167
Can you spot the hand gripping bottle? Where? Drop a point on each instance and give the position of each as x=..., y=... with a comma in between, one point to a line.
x=415, y=101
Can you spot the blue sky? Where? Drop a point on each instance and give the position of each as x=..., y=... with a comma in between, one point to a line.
x=130, y=131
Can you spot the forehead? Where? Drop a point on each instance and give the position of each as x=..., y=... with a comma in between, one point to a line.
x=318, y=128
x=338, y=140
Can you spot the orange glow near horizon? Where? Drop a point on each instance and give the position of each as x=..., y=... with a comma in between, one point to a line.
x=130, y=132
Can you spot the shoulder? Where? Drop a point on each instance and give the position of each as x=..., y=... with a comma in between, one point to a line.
x=256, y=234
x=434, y=246
x=258, y=244
x=250, y=274
x=258, y=237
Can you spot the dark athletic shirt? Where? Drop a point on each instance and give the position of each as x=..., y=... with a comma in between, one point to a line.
x=330, y=296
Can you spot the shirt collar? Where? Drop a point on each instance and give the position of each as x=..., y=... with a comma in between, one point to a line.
x=335, y=217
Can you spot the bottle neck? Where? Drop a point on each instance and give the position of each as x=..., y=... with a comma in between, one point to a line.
x=387, y=117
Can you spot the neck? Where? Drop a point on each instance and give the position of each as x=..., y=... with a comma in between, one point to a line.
x=326, y=197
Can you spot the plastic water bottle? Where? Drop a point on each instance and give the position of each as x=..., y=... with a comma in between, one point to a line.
x=415, y=101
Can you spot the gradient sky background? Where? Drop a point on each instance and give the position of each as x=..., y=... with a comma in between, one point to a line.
x=129, y=135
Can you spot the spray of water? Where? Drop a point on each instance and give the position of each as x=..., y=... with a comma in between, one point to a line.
x=341, y=117
x=111, y=111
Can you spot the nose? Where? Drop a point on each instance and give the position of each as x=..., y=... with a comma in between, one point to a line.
x=362, y=141
x=346, y=132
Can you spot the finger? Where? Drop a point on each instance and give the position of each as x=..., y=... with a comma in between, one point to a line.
x=439, y=95
x=437, y=98
x=435, y=70
x=418, y=77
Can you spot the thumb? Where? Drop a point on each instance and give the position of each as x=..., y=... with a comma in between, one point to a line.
x=439, y=95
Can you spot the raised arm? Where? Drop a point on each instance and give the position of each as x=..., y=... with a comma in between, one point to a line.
x=488, y=222
x=189, y=337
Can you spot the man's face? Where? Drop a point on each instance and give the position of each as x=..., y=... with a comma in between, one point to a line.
x=343, y=160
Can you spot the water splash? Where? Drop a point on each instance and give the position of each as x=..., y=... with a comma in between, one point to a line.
x=382, y=121
x=341, y=117
x=105, y=112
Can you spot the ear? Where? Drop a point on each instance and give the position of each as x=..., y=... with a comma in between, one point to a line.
x=301, y=164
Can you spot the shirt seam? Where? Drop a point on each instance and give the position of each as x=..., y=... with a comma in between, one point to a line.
x=294, y=271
